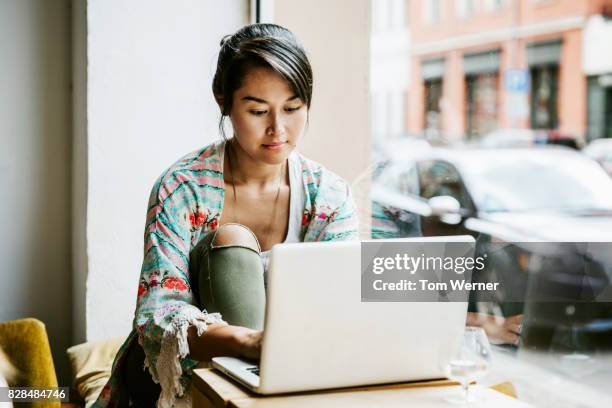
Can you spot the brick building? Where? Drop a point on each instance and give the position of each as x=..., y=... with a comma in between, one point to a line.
x=479, y=65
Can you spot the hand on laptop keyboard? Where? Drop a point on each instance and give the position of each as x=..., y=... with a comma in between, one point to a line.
x=250, y=343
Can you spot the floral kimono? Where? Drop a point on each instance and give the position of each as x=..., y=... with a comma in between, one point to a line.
x=185, y=204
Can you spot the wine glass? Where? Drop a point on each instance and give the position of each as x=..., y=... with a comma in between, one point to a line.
x=471, y=360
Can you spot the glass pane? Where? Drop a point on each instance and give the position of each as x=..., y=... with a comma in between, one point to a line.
x=507, y=129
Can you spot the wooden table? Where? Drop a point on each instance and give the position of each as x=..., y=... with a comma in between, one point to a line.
x=212, y=389
x=536, y=383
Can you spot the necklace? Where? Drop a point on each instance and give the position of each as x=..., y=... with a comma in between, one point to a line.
x=268, y=229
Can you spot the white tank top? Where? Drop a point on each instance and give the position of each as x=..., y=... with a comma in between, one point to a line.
x=296, y=207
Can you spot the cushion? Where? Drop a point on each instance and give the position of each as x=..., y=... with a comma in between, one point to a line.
x=26, y=343
x=91, y=364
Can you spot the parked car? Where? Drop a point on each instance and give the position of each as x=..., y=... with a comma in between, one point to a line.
x=544, y=193
x=513, y=196
x=505, y=138
x=601, y=151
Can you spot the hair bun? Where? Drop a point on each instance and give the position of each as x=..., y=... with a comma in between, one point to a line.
x=225, y=39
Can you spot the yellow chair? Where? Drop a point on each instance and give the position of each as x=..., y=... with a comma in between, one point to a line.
x=26, y=344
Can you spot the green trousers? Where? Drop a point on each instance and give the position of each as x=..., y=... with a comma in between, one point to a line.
x=225, y=279
x=229, y=280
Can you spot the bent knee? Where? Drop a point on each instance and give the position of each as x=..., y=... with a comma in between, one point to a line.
x=236, y=235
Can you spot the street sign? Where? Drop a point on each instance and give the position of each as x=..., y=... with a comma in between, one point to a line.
x=516, y=83
x=517, y=80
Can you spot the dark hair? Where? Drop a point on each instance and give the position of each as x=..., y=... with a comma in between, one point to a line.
x=260, y=45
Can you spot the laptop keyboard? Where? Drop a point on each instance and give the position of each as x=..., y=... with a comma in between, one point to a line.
x=253, y=370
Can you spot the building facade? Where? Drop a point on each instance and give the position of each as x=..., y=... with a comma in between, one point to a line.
x=481, y=65
x=389, y=68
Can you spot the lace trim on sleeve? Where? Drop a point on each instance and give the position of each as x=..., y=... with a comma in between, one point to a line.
x=174, y=347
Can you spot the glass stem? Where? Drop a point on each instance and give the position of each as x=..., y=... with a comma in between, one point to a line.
x=466, y=391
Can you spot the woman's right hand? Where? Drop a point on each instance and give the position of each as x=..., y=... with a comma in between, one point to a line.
x=225, y=340
x=249, y=342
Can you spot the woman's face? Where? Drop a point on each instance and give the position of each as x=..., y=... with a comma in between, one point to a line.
x=267, y=116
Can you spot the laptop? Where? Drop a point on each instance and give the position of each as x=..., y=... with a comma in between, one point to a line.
x=318, y=334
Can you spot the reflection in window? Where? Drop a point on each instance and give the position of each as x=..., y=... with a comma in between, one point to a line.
x=390, y=220
x=438, y=178
x=401, y=178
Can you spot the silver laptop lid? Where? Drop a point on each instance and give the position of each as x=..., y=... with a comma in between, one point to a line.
x=318, y=333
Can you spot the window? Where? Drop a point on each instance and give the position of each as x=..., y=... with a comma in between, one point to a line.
x=481, y=81
x=402, y=178
x=432, y=11
x=408, y=182
x=388, y=109
x=379, y=15
x=433, y=96
x=544, y=59
x=544, y=81
x=542, y=2
x=494, y=5
x=379, y=115
x=388, y=15
x=481, y=103
x=396, y=113
x=608, y=113
x=398, y=12
x=432, y=72
x=465, y=8
x=485, y=91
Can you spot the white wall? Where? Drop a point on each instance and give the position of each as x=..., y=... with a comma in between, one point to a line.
x=35, y=131
x=149, y=101
x=336, y=35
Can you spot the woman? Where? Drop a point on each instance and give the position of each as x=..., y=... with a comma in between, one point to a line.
x=214, y=215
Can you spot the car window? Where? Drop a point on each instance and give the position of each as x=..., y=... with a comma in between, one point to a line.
x=538, y=180
x=439, y=178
